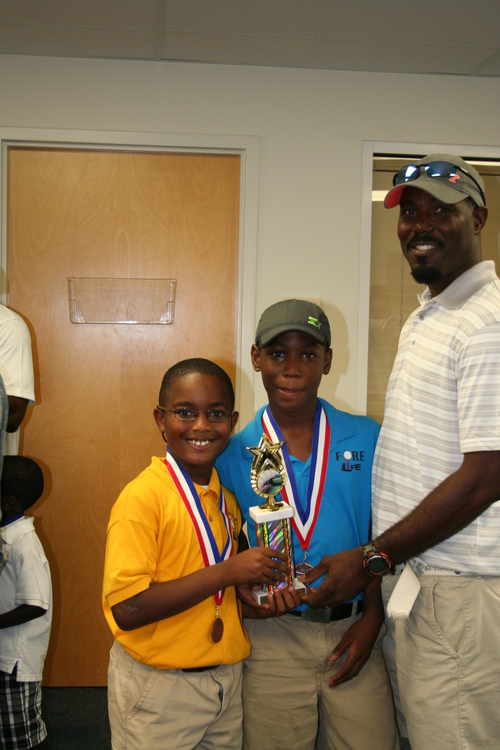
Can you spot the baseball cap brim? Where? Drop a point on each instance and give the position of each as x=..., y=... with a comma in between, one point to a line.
x=448, y=192
x=439, y=190
x=268, y=337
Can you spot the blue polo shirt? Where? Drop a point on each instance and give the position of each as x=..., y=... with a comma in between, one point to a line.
x=345, y=513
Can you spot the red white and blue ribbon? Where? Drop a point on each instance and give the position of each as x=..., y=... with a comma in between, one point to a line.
x=208, y=546
x=305, y=517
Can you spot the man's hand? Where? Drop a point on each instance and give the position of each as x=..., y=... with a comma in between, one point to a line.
x=344, y=578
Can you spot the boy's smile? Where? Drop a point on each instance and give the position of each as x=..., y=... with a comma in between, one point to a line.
x=196, y=444
x=292, y=367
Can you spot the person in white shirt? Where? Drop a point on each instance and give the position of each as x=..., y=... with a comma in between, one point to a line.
x=25, y=610
x=16, y=369
x=436, y=474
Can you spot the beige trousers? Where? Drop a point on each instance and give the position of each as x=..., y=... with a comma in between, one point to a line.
x=287, y=703
x=446, y=660
x=171, y=709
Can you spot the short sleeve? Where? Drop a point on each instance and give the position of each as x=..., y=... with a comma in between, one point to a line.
x=16, y=360
x=130, y=565
x=33, y=580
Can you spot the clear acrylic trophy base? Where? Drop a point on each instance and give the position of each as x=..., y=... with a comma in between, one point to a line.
x=272, y=517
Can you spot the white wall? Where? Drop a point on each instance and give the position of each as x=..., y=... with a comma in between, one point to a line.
x=311, y=126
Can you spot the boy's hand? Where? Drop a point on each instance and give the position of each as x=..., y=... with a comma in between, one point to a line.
x=358, y=641
x=282, y=601
x=279, y=603
x=244, y=593
x=259, y=565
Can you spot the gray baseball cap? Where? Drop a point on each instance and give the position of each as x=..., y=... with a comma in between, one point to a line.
x=446, y=176
x=293, y=315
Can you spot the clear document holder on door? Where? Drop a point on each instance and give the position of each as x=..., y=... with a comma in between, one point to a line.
x=121, y=301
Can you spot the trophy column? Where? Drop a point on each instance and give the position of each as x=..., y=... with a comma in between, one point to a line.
x=272, y=518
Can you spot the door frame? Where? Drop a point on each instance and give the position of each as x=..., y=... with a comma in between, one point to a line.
x=247, y=147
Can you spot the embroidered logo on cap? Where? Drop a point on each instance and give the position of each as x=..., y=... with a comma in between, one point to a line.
x=313, y=322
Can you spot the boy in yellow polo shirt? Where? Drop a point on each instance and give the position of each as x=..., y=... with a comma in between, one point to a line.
x=171, y=567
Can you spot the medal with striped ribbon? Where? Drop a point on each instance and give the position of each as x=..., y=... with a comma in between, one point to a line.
x=208, y=546
x=305, y=516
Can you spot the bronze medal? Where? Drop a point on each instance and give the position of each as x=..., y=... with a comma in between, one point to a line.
x=217, y=630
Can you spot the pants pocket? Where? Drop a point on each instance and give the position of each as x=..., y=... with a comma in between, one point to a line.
x=447, y=615
x=142, y=680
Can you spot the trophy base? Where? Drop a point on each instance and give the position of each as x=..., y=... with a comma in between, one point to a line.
x=260, y=595
x=263, y=514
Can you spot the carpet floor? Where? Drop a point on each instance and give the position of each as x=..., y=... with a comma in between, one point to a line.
x=77, y=719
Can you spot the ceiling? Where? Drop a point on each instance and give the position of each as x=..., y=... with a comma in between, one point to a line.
x=454, y=37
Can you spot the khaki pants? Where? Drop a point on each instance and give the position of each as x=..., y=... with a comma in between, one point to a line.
x=446, y=658
x=287, y=703
x=172, y=709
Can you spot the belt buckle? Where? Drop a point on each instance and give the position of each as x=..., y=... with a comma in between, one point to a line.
x=317, y=615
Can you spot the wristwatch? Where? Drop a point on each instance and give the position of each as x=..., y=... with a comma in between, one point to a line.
x=375, y=563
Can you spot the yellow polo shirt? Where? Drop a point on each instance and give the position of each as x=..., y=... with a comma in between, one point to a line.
x=151, y=538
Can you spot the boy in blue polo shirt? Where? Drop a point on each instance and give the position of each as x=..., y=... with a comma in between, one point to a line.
x=313, y=676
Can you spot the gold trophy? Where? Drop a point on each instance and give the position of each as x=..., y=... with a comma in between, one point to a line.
x=272, y=518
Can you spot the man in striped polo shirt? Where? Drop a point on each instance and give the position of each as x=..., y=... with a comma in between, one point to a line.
x=436, y=474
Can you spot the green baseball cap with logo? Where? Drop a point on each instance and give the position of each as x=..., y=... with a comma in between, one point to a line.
x=293, y=315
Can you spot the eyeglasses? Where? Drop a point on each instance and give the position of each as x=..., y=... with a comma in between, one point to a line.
x=191, y=415
x=443, y=170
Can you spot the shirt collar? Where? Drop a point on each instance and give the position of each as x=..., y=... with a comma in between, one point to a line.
x=158, y=465
x=213, y=490
x=13, y=531
x=460, y=290
x=11, y=520
x=213, y=486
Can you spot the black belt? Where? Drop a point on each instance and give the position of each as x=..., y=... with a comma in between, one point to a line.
x=200, y=669
x=342, y=612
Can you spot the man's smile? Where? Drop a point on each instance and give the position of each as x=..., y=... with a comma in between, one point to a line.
x=424, y=246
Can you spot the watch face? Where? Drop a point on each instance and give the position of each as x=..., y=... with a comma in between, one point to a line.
x=377, y=564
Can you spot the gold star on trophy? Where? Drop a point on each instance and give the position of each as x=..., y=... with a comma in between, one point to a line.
x=267, y=474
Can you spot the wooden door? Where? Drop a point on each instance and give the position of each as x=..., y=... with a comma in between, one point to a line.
x=79, y=213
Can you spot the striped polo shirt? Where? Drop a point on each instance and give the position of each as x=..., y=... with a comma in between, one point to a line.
x=443, y=400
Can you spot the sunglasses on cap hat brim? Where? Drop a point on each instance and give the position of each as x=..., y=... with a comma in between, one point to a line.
x=443, y=171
